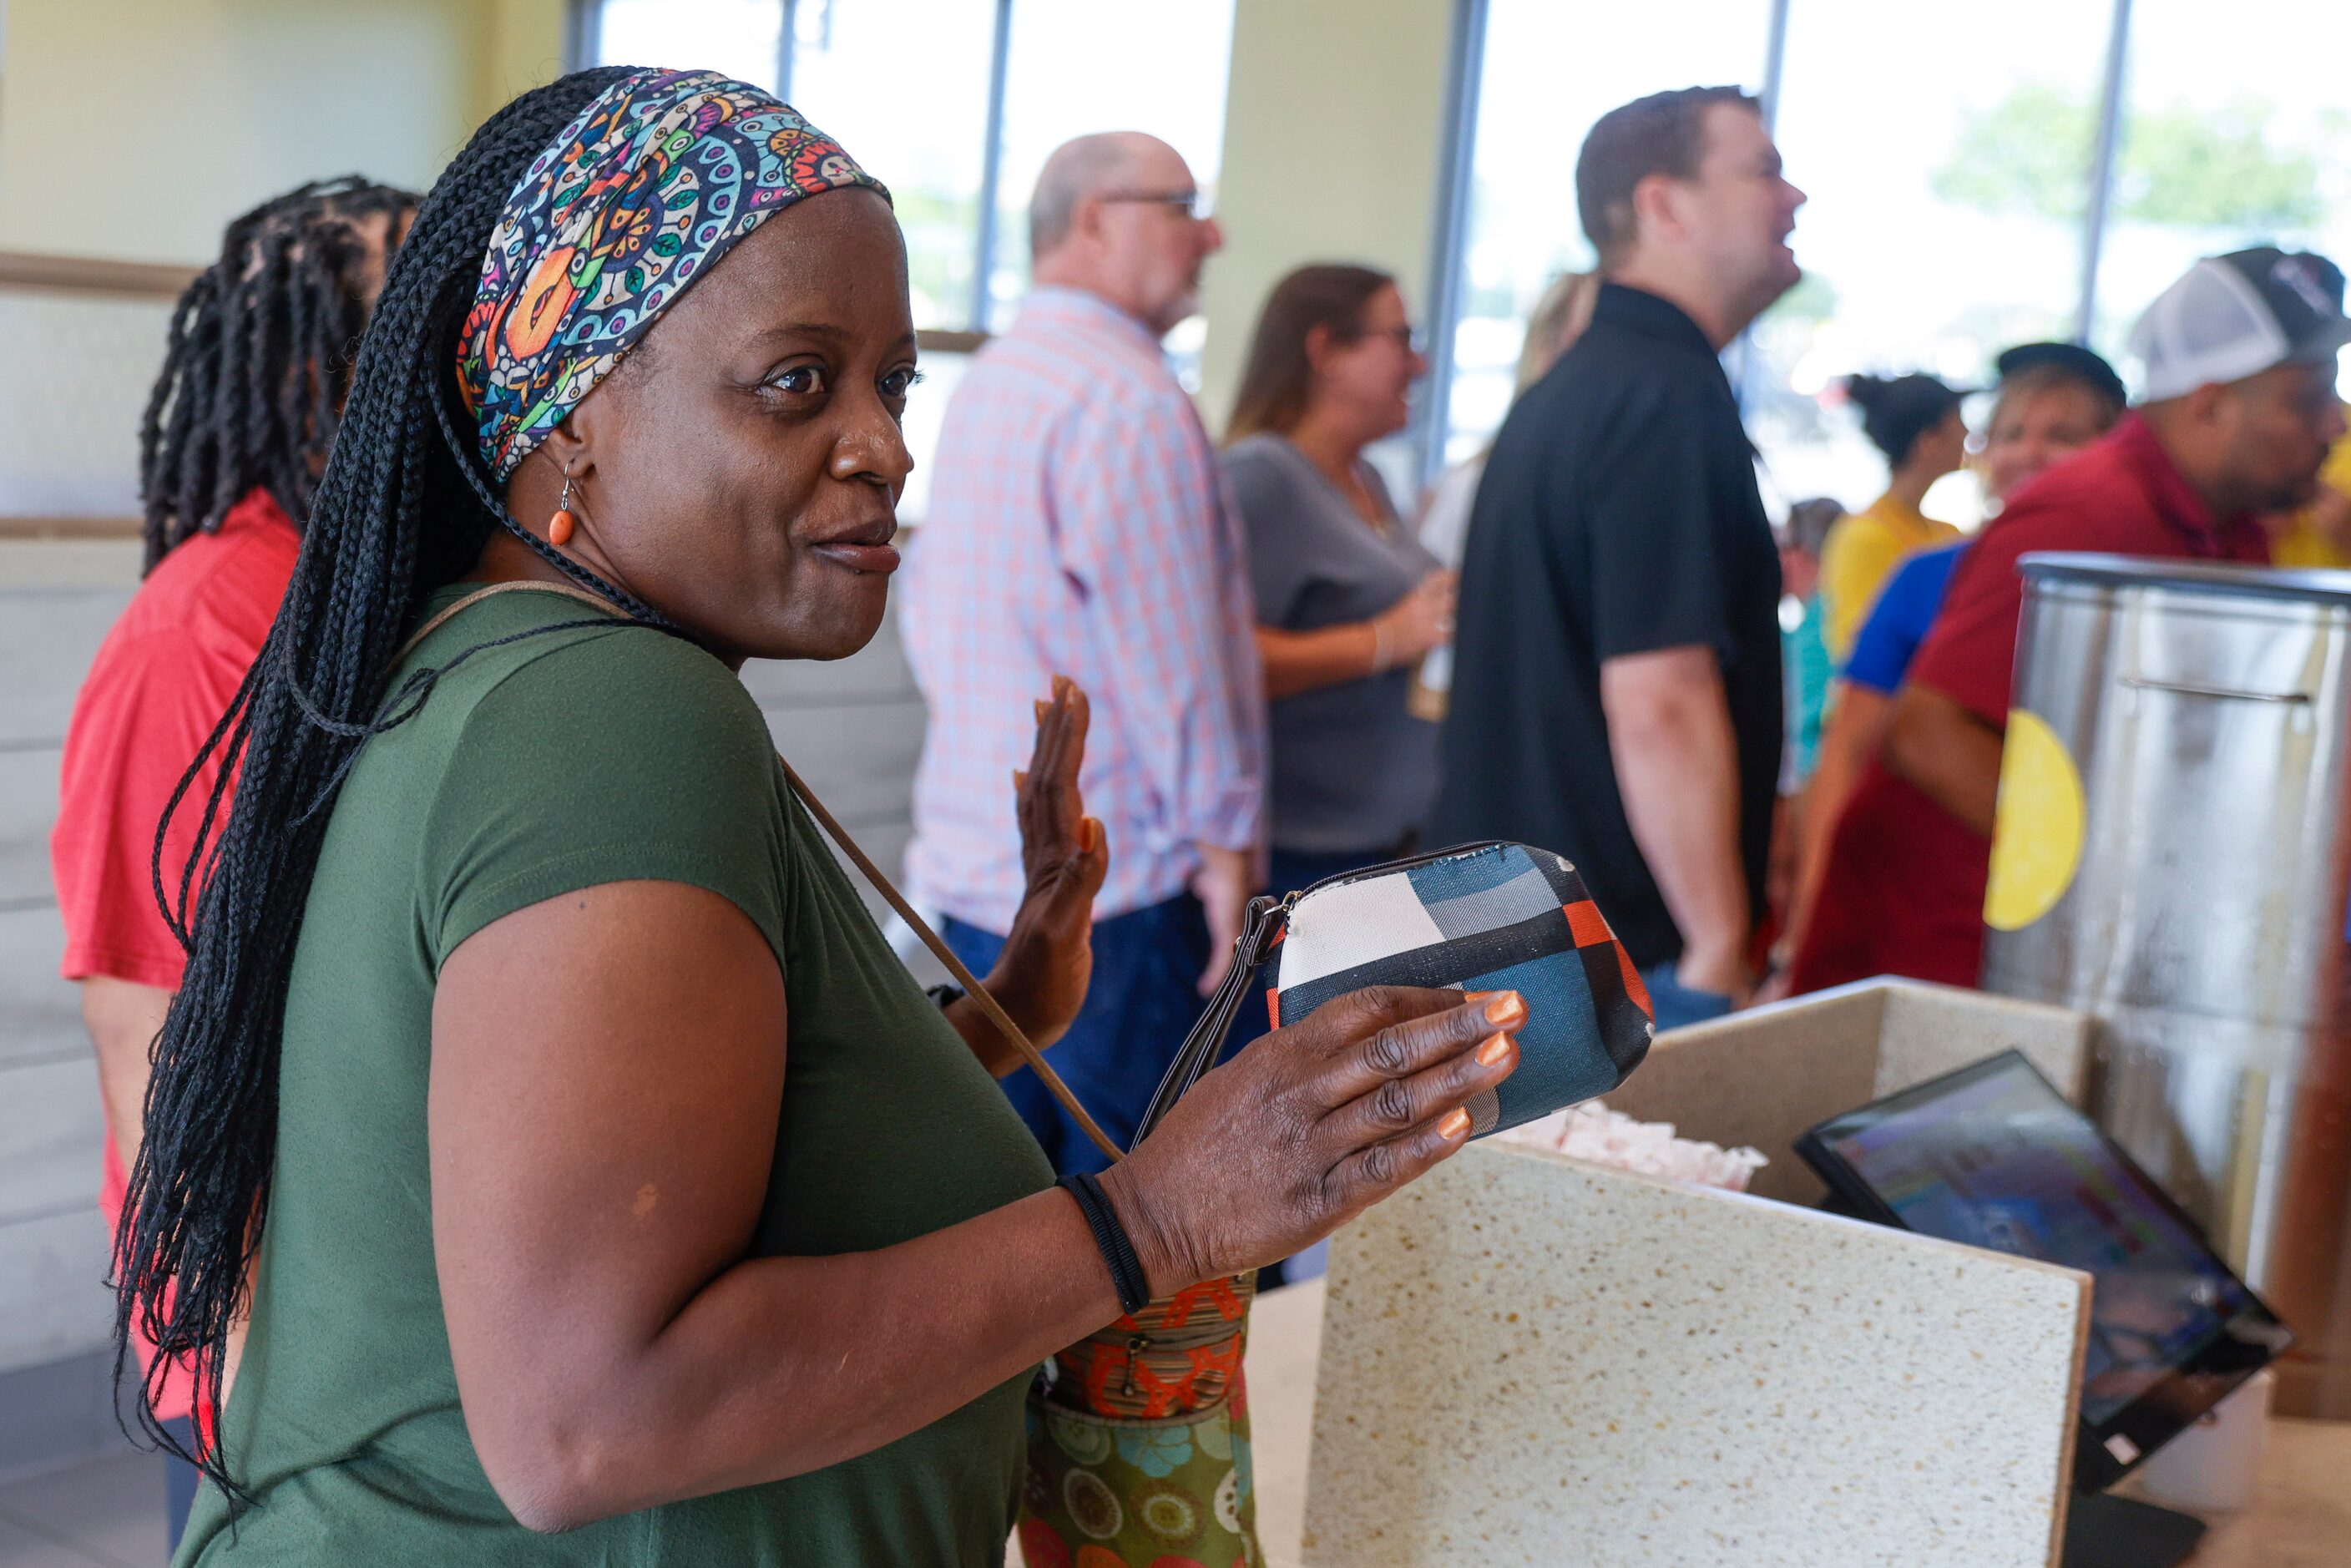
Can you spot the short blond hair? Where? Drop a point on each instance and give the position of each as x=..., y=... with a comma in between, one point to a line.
x=1557, y=320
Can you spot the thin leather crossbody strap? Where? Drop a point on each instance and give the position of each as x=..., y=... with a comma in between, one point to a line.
x=955, y=966
x=492, y=591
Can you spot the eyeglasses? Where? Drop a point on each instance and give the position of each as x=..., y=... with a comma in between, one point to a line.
x=1191, y=203
x=1404, y=337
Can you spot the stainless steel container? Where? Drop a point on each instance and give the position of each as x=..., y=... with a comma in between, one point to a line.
x=2206, y=713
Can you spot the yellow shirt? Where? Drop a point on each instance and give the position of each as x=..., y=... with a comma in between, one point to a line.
x=1862, y=550
x=2304, y=544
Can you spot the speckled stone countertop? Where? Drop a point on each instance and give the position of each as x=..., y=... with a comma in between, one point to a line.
x=1538, y=1360
x=2302, y=1520
x=1524, y=1356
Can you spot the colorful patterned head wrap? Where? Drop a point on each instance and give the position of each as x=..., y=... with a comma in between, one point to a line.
x=638, y=197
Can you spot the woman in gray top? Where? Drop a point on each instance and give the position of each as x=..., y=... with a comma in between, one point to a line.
x=1348, y=602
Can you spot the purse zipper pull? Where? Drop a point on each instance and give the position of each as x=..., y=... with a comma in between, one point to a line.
x=1261, y=922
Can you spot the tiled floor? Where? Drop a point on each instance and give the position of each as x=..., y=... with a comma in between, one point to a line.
x=107, y=1513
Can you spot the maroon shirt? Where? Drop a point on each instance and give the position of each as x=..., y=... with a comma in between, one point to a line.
x=1904, y=891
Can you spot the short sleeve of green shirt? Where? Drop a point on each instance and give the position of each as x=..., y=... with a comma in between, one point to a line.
x=618, y=757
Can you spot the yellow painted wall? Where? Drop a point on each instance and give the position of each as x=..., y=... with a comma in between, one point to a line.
x=521, y=48
x=1332, y=135
x=135, y=129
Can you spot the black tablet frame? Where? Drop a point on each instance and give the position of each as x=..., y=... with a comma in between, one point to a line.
x=2246, y=1342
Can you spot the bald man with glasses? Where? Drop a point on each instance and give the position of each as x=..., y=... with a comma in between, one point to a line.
x=1077, y=526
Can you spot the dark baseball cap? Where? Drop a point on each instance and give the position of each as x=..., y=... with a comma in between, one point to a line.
x=2071, y=359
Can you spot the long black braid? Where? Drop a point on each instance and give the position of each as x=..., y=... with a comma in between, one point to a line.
x=403, y=507
x=260, y=359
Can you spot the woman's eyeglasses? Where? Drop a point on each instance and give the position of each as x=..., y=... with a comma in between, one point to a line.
x=1191, y=203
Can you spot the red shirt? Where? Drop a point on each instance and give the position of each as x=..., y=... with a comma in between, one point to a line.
x=1904, y=892
x=160, y=681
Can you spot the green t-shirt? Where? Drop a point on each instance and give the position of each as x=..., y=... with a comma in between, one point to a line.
x=556, y=763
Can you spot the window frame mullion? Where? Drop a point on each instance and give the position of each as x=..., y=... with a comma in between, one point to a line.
x=991, y=169
x=1455, y=169
x=2097, y=209
x=787, y=31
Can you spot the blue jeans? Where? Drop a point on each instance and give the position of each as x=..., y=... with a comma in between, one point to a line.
x=180, y=1478
x=1676, y=1003
x=1144, y=1000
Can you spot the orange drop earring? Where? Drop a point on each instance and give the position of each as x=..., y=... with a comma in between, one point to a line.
x=559, y=526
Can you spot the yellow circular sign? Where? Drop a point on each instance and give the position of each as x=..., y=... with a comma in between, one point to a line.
x=2036, y=844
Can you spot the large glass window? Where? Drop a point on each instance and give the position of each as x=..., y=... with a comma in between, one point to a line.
x=737, y=37
x=1948, y=168
x=1550, y=71
x=1951, y=166
x=903, y=84
x=906, y=86
x=1079, y=66
x=2234, y=133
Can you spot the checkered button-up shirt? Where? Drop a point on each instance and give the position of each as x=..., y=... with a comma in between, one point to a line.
x=1078, y=526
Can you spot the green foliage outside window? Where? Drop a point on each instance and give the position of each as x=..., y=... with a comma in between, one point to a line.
x=2179, y=166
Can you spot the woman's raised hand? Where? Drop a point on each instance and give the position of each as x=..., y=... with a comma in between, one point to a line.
x=1422, y=620
x=1309, y=1126
x=1048, y=957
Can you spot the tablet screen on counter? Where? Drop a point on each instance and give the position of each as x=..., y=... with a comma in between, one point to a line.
x=1993, y=1156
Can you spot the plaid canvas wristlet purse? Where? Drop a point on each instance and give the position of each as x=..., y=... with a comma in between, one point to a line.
x=1477, y=917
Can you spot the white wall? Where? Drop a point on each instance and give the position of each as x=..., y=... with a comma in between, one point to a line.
x=55, y=602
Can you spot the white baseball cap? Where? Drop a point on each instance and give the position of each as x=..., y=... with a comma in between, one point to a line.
x=2229, y=317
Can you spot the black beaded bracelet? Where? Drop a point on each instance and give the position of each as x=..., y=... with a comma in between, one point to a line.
x=1109, y=1235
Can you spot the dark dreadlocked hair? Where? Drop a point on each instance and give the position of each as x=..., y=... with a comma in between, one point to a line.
x=260, y=359
x=404, y=507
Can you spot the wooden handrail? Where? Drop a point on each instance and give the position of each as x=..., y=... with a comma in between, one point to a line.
x=69, y=527
x=164, y=281
x=157, y=280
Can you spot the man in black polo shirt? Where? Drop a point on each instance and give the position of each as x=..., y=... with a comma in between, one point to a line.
x=1616, y=684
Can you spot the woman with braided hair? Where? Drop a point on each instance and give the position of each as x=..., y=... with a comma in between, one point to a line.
x=234, y=439
x=260, y=358
x=611, y=1194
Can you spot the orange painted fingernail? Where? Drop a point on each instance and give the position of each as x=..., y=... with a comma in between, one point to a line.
x=1508, y=1008
x=1496, y=1048
x=1042, y=707
x=1456, y=1123
x=1093, y=831
x=1019, y=778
